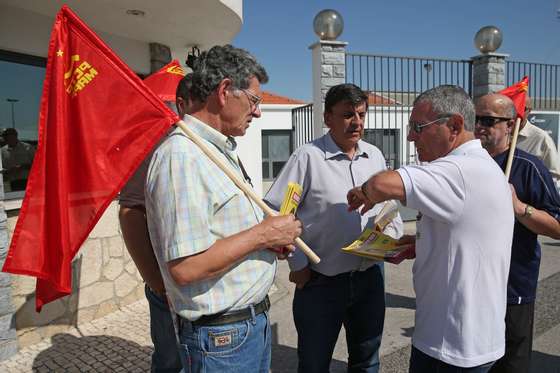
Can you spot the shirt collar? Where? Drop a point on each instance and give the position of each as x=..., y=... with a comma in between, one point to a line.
x=466, y=147
x=226, y=144
x=332, y=150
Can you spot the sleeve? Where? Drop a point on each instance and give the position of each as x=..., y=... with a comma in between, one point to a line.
x=293, y=171
x=543, y=193
x=132, y=194
x=436, y=189
x=551, y=158
x=179, y=201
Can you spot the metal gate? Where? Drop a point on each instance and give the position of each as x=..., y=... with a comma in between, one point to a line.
x=392, y=83
x=302, y=125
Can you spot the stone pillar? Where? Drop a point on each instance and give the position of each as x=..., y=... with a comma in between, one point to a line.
x=160, y=55
x=328, y=69
x=489, y=73
x=8, y=339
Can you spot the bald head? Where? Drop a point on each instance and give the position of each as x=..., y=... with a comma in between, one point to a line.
x=495, y=104
x=495, y=117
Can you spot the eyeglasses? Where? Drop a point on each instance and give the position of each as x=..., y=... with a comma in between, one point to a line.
x=417, y=127
x=254, y=100
x=489, y=121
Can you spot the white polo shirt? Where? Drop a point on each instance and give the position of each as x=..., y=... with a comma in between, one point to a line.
x=463, y=251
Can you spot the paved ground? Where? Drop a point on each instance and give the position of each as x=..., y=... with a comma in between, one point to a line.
x=120, y=341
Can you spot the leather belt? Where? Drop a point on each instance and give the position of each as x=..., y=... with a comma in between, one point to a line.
x=233, y=316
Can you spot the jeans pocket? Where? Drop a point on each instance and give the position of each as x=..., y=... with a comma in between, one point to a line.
x=223, y=340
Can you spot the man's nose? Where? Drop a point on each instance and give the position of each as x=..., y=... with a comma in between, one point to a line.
x=257, y=112
x=412, y=135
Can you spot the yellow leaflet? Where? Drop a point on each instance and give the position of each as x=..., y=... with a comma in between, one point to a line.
x=291, y=199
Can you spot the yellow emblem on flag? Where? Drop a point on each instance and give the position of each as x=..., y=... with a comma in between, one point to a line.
x=523, y=87
x=78, y=75
x=176, y=70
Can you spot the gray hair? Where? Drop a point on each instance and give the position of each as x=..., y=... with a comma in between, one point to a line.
x=450, y=99
x=221, y=62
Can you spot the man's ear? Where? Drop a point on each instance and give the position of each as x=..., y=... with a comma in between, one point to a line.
x=456, y=124
x=511, y=125
x=327, y=117
x=222, y=91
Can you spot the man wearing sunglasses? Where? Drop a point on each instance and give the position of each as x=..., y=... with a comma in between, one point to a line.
x=536, y=206
x=538, y=142
x=463, y=237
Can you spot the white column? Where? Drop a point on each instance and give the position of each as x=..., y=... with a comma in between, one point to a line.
x=328, y=69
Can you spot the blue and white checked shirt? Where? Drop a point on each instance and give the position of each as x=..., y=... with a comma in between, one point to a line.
x=190, y=204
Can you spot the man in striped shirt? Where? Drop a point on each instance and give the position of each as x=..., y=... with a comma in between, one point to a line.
x=210, y=239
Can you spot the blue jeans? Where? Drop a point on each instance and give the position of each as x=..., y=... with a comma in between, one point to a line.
x=165, y=358
x=240, y=347
x=423, y=363
x=324, y=304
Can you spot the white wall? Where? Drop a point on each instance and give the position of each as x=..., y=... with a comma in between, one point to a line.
x=274, y=117
x=27, y=32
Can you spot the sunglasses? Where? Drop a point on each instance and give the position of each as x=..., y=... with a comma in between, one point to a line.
x=417, y=127
x=489, y=121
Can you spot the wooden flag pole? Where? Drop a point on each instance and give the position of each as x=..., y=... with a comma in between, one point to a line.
x=512, y=147
x=241, y=185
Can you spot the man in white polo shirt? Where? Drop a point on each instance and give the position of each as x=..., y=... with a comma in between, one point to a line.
x=464, y=235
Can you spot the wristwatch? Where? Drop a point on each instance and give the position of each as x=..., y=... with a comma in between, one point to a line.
x=528, y=211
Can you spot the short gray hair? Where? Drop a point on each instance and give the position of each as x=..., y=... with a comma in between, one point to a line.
x=221, y=62
x=450, y=99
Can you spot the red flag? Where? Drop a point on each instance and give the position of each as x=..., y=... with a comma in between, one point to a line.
x=164, y=81
x=97, y=123
x=518, y=94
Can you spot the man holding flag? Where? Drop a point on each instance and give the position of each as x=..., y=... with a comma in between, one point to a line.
x=536, y=205
x=132, y=218
x=209, y=238
x=538, y=142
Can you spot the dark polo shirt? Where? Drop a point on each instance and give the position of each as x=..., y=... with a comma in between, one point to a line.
x=534, y=186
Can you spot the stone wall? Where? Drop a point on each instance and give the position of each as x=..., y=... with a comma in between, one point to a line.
x=8, y=342
x=104, y=279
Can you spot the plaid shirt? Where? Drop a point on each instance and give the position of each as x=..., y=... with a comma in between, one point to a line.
x=191, y=203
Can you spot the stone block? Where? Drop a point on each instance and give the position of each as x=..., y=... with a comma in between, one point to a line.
x=116, y=245
x=130, y=267
x=108, y=225
x=23, y=285
x=113, y=269
x=490, y=78
x=332, y=58
x=339, y=71
x=136, y=294
x=95, y=294
x=330, y=82
x=125, y=284
x=26, y=315
x=327, y=71
x=5, y=280
x=50, y=330
x=7, y=330
x=8, y=349
x=28, y=337
x=86, y=315
x=91, y=262
x=106, y=308
x=6, y=306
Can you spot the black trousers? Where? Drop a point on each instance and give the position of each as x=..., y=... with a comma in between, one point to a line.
x=519, y=339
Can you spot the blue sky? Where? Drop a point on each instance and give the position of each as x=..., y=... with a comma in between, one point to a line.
x=279, y=33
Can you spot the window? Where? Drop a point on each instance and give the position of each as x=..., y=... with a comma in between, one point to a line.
x=20, y=95
x=276, y=149
x=387, y=140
